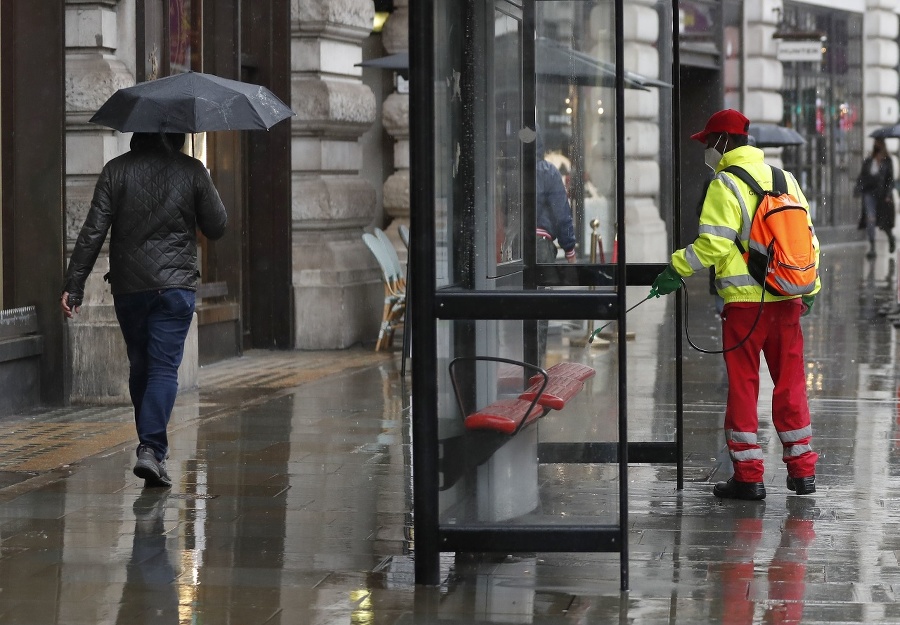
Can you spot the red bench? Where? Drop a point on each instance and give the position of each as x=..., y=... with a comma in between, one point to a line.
x=557, y=392
x=505, y=415
x=574, y=370
x=550, y=389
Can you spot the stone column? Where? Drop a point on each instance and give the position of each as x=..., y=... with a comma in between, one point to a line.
x=880, y=79
x=336, y=282
x=395, y=119
x=94, y=70
x=646, y=231
x=763, y=72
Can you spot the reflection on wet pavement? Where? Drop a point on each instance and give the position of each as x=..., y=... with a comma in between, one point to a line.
x=292, y=502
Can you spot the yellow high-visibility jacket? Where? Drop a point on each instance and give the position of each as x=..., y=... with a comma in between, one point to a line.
x=727, y=213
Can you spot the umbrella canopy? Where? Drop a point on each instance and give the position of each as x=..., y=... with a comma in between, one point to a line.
x=888, y=132
x=775, y=136
x=398, y=62
x=191, y=102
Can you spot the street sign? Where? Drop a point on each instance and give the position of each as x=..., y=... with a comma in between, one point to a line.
x=800, y=50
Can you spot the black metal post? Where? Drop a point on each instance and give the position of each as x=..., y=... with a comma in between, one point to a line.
x=424, y=329
x=676, y=232
x=620, y=228
x=529, y=158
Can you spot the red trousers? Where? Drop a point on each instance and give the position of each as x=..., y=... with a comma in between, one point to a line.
x=777, y=335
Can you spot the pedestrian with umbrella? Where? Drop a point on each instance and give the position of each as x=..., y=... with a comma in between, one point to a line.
x=152, y=200
x=875, y=187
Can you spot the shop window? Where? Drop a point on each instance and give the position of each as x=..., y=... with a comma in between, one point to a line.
x=823, y=102
x=168, y=37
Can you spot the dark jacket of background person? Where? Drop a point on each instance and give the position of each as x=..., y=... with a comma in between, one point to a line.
x=881, y=186
x=552, y=211
x=153, y=198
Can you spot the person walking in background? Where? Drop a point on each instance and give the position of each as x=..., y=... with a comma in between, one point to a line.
x=153, y=198
x=553, y=219
x=553, y=215
x=753, y=320
x=875, y=185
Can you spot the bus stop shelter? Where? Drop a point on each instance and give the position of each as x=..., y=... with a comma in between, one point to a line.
x=497, y=466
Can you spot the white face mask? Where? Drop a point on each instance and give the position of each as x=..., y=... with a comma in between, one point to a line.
x=712, y=156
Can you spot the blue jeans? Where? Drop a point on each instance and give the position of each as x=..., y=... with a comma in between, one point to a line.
x=155, y=325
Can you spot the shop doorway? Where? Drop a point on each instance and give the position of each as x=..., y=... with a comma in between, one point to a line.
x=244, y=300
x=701, y=96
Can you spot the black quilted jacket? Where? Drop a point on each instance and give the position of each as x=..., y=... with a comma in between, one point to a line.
x=154, y=200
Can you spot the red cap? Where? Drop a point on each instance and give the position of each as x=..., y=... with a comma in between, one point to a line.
x=729, y=120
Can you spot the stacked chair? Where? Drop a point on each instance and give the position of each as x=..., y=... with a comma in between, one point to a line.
x=407, y=326
x=394, y=279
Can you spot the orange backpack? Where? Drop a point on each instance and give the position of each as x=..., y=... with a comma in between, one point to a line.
x=780, y=255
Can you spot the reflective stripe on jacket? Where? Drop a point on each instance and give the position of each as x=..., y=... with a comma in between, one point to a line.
x=727, y=213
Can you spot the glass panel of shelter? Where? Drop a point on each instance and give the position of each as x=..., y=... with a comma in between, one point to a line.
x=496, y=81
x=485, y=242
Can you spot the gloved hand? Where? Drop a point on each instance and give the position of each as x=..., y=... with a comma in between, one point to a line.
x=666, y=282
x=808, y=301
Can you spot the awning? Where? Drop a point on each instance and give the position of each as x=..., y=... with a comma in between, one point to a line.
x=554, y=63
x=560, y=64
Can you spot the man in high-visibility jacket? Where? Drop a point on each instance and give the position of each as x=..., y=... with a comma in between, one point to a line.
x=727, y=212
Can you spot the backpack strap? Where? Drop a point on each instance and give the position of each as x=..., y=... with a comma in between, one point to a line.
x=749, y=180
x=779, y=181
x=779, y=186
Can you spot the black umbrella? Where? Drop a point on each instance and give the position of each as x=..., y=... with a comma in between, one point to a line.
x=775, y=136
x=191, y=102
x=888, y=132
x=398, y=62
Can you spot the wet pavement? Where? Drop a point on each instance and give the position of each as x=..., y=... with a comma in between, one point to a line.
x=293, y=496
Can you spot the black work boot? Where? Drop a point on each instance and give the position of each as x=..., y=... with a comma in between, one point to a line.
x=802, y=485
x=732, y=489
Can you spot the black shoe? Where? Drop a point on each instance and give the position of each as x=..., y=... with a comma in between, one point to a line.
x=732, y=489
x=150, y=469
x=802, y=485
